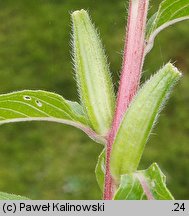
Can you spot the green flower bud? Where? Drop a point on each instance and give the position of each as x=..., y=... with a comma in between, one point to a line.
x=138, y=121
x=92, y=73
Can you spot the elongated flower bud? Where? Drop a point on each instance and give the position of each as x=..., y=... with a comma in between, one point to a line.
x=92, y=73
x=138, y=121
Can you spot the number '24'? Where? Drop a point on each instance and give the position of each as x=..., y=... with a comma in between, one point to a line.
x=179, y=207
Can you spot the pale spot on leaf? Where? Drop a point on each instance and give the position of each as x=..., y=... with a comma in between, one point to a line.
x=27, y=97
x=39, y=104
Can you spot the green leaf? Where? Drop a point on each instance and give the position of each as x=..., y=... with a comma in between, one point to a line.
x=92, y=73
x=100, y=169
x=138, y=121
x=169, y=13
x=43, y=106
x=6, y=196
x=147, y=184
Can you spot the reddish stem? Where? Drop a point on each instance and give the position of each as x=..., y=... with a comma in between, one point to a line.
x=109, y=185
x=130, y=76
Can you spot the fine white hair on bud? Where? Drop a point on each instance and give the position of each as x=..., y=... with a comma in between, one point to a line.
x=139, y=120
x=92, y=73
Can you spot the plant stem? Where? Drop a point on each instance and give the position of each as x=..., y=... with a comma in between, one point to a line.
x=109, y=185
x=130, y=76
x=133, y=57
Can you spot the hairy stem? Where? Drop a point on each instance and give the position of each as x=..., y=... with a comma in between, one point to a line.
x=133, y=57
x=109, y=185
x=130, y=76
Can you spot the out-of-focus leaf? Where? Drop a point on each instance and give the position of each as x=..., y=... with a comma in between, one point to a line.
x=6, y=196
x=147, y=184
x=92, y=73
x=169, y=13
x=138, y=121
x=100, y=170
x=43, y=106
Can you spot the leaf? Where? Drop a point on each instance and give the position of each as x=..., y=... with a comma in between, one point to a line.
x=92, y=73
x=169, y=13
x=147, y=184
x=100, y=170
x=43, y=106
x=138, y=121
x=6, y=196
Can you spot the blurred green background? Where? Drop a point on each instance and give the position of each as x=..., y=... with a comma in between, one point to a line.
x=52, y=161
